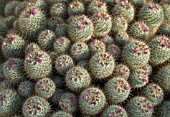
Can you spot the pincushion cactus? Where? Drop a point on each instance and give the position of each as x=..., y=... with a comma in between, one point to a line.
x=92, y=101
x=35, y=106
x=61, y=114
x=163, y=110
x=102, y=65
x=76, y=8
x=77, y=78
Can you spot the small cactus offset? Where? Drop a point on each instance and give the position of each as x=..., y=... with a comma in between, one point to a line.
x=84, y=58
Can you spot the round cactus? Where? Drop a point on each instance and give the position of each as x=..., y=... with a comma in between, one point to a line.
x=97, y=46
x=114, y=111
x=31, y=21
x=136, y=54
x=166, y=8
x=139, y=107
x=92, y=101
x=122, y=38
x=37, y=60
x=138, y=78
x=61, y=45
x=154, y=93
x=46, y=39
x=162, y=77
x=59, y=81
x=32, y=47
x=9, y=21
x=125, y=9
x=83, y=63
x=51, y=2
x=37, y=3
x=59, y=10
x=13, y=46
x=26, y=89
x=61, y=30
x=53, y=22
x=165, y=29
x=3, y=28
x=80, y=29
x=57, y=95
x=160, y=50
x=79, y=51
x=63, y=63
x=76, y=8
x=6, y=85
x=45, y=87
x=102, y=65
x=122, y=71
x=153, y=16
x=139, y=30
x=68, y=102
x=119, y=24
x=35, y=106
x=97, y=6
x=13, y=70
x=138, y=3
x=148, y=69
x=61, y=114
x=10, y=7
x=102, y=23
x=117, y=90
x=19, y=8
x=10, y=102
x=163, y=110
x=77, y=78
x=114, y=50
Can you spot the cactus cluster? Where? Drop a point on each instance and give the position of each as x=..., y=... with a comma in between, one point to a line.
x=84, y=58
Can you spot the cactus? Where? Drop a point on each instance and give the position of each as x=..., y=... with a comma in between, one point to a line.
x=61, y=114
x=117, y=90
x=10, y=102
x=163, y=109
x=31, y=21
x=166, y=8
x=102, y=23
x=83, y=63
x=79, y=51
x=61, y=30
x=63, y=63
x=106, y=39
x=114, y=111
x=97, y=46
x=125, y=9
x=13, y=46
x=136, y=54
x=153, y=16
x=77, y=78
x=50, y=2
x=9, y=21
x=122, y=71
x=32, y=47
x=91, y=101
x=3, y=28
x=13, y=70
x=53, y=22
x=59, y=10
x=138, y=3
x=20, y=7
x=37, y=3
x=148, y=69
x=45, y=87
x=10, y=8
x=61, y=45
x=35, y=106
x=26, y=89
x=138, y=78
x=97, y=6
x=37, y=60
x=114, y=50
x=160, y=50
x=165, y=29
x=162, y=77
x=139, y=107
x=76, y=8
x=80, y=29
x=119, y=24
x=154, y=93
x=68, y=102
x=101, y=65
x=139, y=30
x=122, y=38
x=57, y=95
x=46, y=39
